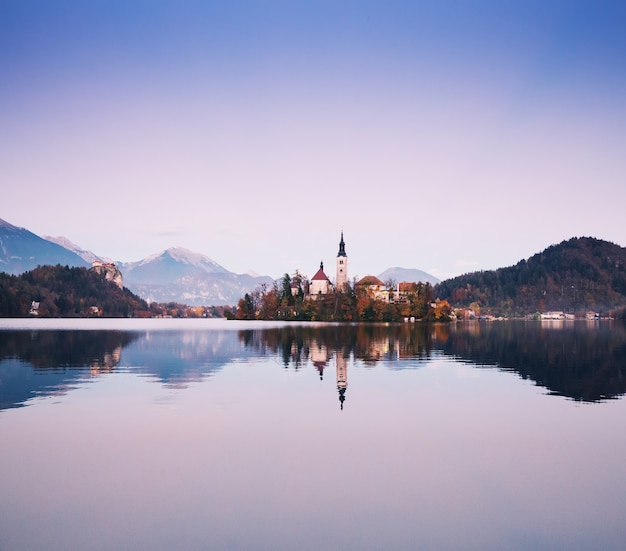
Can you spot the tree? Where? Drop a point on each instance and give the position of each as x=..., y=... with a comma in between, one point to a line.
x=286, y=296
x=270, y=302
x=391, y=284
x=245, y=308
x=442, y=310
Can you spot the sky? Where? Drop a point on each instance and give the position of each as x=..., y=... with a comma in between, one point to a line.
x=448, y=136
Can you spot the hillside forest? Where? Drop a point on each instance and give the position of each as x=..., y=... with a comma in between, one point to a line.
x=578, y=275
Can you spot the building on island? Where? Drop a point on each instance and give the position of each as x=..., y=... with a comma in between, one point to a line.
x=320, y=284
x=373, y=288
x=369, y=286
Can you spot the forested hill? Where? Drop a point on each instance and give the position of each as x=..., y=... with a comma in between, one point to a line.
x=65, y=292
x=575, y=276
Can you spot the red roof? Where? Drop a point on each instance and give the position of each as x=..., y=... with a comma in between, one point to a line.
x=407, y=286
x=320, y=275
x=370, y=280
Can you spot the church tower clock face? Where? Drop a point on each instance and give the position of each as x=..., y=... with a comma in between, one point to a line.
x=342, y=265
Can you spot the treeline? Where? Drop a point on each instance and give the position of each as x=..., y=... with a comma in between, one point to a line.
x=61, y=291
x=354, y=303
x=577, y=275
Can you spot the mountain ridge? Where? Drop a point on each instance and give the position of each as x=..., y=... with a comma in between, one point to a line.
x=175, y=274
x=87, y=256
x=576, y=274
x=21, y=250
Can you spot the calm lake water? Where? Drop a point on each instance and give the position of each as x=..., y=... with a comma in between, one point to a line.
x=208, y=434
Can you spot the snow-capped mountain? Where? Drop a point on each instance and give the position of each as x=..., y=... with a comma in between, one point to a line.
x=181, y=275
x=22, y=250
x=175, y=275
x=87, y=256
x=167, y=266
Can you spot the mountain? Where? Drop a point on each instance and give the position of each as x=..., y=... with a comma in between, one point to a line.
x=409, y=275
x=165, y=267
x=87, y=256
x=577, y=275
x=22, y=250
x=175, y=275
x=180, y=275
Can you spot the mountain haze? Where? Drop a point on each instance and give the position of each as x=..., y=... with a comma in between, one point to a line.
x=408, y=275
x=200, y=289
x=180, y=275
x=167, y=266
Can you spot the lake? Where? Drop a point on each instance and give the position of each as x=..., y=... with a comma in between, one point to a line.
x=214, y=434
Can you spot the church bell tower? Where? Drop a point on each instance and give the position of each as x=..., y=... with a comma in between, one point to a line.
x=342, y=266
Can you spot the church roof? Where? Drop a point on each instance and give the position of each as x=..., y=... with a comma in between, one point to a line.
x=406, y=286
x=320, y=275
x=370, y=280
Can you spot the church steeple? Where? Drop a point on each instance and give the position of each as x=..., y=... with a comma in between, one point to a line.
x=342, y=266
x=342, y=246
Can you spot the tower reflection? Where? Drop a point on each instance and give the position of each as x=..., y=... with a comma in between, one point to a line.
x=342, y=377
x=581, y=362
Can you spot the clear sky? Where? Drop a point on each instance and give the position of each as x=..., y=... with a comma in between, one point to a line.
x=448, y=136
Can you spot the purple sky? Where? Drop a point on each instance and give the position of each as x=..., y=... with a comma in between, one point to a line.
x=446, y=136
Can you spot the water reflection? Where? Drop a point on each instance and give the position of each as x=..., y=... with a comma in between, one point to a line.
x=398, y=346
x=42, y=363
x=579, y=360
x=585, y=362
x=582, y=361
x=369, y=343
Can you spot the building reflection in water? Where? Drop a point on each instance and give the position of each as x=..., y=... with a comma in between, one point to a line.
x=342, y=377
x=576, y=360
x=579, y=360
x=320, y=356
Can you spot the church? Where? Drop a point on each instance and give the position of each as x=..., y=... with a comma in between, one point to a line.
x=321, y=284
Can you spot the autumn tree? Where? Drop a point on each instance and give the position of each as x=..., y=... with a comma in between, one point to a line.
x=442, y=310
x=245, y=308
